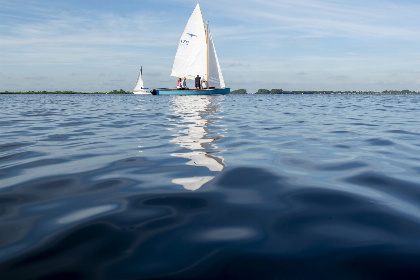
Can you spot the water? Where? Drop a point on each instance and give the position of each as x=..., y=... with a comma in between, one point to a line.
x=238, y=187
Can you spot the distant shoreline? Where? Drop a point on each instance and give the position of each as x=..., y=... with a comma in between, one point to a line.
x=65, y=92
x=280, y=91
x=240, y=91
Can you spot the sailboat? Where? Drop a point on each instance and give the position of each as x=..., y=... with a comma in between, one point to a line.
x=196, y=56
x=139, y=89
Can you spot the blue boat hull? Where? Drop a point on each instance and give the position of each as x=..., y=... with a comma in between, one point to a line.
x=192, y=91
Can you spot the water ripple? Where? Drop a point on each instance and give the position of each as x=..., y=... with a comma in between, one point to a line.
x=219, y=187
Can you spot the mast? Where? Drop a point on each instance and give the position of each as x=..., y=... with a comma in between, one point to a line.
x=207, y=40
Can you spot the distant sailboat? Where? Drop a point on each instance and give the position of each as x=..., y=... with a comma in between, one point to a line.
x=139, y=88
x=196, y=55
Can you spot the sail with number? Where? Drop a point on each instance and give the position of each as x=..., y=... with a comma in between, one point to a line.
x=196, y=54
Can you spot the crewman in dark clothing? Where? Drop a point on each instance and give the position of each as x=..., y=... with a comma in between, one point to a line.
x=197, y=82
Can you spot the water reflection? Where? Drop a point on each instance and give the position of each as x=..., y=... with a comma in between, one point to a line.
x=193, y=116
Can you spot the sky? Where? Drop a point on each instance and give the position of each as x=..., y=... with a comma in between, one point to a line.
x=99, y=45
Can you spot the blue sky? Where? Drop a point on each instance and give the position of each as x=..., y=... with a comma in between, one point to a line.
x=92, y=45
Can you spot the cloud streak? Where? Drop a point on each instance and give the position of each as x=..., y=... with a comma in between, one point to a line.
x=258, y=42
x=327, y=18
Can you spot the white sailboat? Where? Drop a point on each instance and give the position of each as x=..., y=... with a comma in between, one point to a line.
x=196, y=56
x=139, y=88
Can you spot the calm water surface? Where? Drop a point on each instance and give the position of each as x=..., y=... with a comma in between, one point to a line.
x=234, y=187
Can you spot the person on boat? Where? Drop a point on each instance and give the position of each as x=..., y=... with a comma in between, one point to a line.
x=179, y=84
x=198, y=82
x=184, y=83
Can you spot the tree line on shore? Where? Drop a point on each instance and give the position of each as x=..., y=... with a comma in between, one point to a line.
x=280, y=91
x=121, y=91
x=238, y=91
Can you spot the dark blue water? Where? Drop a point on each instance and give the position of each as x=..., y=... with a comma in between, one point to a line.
x=224, y=187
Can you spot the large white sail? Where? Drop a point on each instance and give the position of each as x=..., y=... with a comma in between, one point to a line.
x=191, y=56
x=215, y=72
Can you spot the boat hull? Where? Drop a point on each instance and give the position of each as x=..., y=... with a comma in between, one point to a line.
x=193, y=91
x=142, y=92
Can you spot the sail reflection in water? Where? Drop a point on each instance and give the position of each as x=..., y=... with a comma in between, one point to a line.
x=193, y=116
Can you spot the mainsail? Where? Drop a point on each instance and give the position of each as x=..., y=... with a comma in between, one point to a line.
x=196, y=54
x=139, y=85
x=139, y=88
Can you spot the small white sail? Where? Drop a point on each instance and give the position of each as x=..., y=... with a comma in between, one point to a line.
x=139, y=88
x=215, y=72
x=191, y=56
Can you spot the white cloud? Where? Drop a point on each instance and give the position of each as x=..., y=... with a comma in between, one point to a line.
x=323, y=18
x=259, y=42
